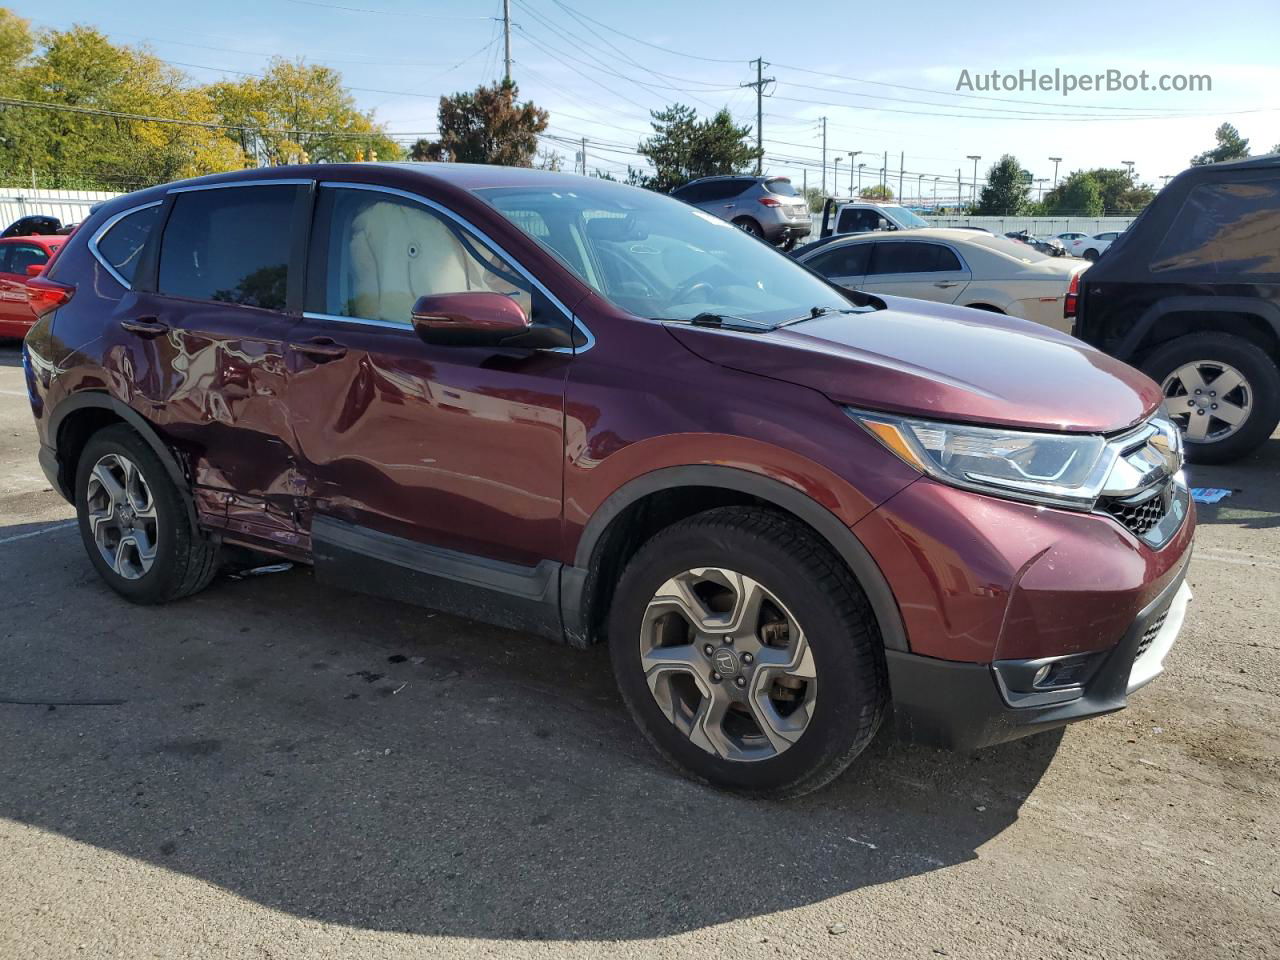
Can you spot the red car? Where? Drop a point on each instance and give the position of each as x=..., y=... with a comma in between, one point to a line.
x=20, y=259
x=585, y=410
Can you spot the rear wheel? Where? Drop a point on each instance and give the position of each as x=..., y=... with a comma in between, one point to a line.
x=747, y=225
x=1223, y=391
x=1091, y=254
x=747, y=653
x=134, y=522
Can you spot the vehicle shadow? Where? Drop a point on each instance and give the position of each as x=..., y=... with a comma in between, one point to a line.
x=355, y=761
x=10, y=352
x=1252, y=481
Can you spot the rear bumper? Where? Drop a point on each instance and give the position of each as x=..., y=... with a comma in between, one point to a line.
x=965, y=706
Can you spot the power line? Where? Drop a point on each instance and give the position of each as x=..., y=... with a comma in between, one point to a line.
x=384, y=13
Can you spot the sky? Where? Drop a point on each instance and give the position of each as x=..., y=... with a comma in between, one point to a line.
x=885, y=77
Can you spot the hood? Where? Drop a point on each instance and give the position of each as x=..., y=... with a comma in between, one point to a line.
x=942, y=362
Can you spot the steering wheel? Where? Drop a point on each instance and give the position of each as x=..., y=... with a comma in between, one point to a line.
x=687, y=289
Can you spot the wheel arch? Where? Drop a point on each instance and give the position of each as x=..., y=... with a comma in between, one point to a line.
x=81, y=415
x=1166, y=320
x=655, y=500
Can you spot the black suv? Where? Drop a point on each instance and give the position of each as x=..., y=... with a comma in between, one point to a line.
x=1190, y=294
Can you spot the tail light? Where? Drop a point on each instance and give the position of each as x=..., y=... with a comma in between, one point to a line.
x=770, y=202
x=1072, y=299
x=46, y=295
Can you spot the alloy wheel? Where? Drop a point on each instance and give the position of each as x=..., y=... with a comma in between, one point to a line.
x=728, y=664
x=122, y=516
x=1208, y=399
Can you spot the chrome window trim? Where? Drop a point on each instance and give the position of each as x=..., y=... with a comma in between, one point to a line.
x=486, y=240
x=292, y=182
x=362, y=321
x=102, y=232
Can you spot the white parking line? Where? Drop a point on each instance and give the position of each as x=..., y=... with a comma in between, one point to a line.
x=13, y=393
x=38, y=533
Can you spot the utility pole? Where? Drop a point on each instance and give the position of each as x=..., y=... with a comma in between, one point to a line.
x=959, y=191
x=853, y=155
x=935, y=194
x=584, y=156
x=824, y=156
x=1129, y=164
x=1040, y=188
x=975, y=158
x=835, y=175
x=1166, y=178
x=884, y=172
x=902, y=159
x=758, y=83
x=1056, y=161
x=506, y=35
x=860, y=166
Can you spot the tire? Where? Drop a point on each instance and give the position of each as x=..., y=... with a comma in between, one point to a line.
x=747, y=225
x=1214, y=354
x=788, y=244
x=1091, y=255
x=798, y=572
x=182, y=560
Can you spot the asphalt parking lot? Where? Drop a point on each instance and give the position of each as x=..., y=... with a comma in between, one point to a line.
x=286, y=771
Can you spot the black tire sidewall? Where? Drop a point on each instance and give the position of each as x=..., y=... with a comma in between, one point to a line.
x=173, y=533
x=1253, y=363
x=844, y=688
x=747, y=225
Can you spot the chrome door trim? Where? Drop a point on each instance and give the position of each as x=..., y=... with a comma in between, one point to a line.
x=102, y=232
x=483, y=237
x=292, y=182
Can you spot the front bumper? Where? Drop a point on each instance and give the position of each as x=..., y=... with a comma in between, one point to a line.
x=965, y=706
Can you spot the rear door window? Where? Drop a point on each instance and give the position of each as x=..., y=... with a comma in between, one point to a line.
x=120, y=248
x=1230, y=228
x=905, y=256
x=858, y=220
x=230, y=245
x=723, y=190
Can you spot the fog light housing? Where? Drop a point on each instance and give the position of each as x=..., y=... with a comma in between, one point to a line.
x=1045, y=680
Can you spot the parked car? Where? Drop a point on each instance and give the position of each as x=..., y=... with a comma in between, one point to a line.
x=865, y=216
x=589, y=411
x=765, y=207
x=1088, y=247
x=1190, y=293
x=1049, y=245
x=32, y=225
x=953, y=266
x=20, y=259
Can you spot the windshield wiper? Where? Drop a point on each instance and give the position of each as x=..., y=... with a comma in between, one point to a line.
x=813, y=314
x=722, y=321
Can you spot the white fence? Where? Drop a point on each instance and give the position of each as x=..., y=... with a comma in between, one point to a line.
x=69, y=206
x=1038, y=226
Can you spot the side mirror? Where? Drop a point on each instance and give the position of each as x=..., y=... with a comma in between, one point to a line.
x=469, y=319
x=34, y=269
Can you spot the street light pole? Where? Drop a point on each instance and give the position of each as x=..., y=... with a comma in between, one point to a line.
x=860, y=166
x=1129, y=164
x=975, y=158
x=853, y=155
x=1056, y=161
x=835, y=175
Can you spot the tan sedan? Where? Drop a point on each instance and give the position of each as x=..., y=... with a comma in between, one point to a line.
x=964, y=267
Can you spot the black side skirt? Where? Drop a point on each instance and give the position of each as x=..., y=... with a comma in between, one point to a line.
x=505, y=594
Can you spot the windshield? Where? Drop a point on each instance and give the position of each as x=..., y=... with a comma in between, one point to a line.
x=656, y=257
x=904, y=217
x=782, y=187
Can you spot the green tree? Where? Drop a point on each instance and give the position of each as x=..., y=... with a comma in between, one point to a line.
x=298, y=112
x=1078, y=195
x=81, y=68
x=1006, y=192
x=1231, y=146
x=487, y=125
x=815, y=198
x=877, y=191
x=1118, y=193
x=684, y=148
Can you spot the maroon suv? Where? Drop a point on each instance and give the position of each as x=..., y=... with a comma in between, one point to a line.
x=592, y=412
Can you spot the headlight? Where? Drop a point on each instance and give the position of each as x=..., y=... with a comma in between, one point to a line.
x=1050, y=468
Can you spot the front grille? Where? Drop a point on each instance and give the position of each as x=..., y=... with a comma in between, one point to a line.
x=1149, y=634
x=1139, y=514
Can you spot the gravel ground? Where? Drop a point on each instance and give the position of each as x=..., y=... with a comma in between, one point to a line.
x=294, y=772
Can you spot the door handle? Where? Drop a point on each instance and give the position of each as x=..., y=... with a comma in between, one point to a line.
x=321, y=349
x=146, y=327
x=947, y=283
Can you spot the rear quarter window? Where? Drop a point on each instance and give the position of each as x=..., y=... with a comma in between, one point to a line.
x=1224, y=228
x=121, y=246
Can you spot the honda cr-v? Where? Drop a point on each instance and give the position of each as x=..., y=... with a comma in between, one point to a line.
x=585, y=410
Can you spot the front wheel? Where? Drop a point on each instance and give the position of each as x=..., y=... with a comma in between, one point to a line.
x=747, y=653
x=1222, y=390
x=134, y=521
